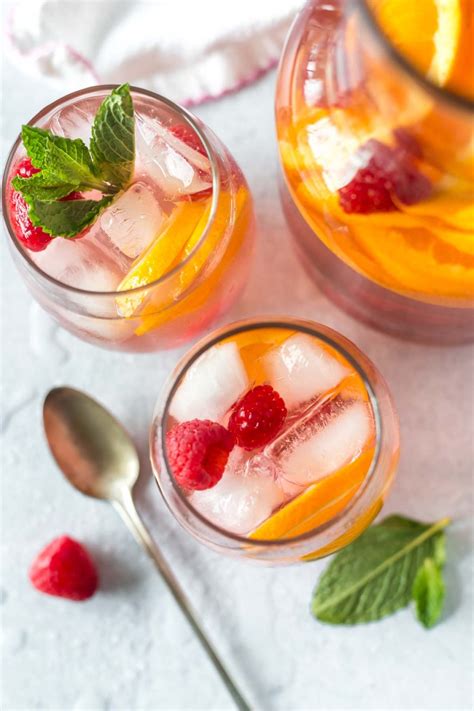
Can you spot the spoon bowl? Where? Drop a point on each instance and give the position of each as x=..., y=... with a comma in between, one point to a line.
x=90, y=446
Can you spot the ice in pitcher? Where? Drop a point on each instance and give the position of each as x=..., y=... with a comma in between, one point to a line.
x=270, y=432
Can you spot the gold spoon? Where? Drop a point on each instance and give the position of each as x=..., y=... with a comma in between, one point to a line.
x=97, y=456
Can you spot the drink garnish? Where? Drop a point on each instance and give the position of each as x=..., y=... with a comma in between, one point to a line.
x=393, y=563
x=389, y=175
x=198, y=451
x=257, y=417
x=30, y=236
x=67, y=165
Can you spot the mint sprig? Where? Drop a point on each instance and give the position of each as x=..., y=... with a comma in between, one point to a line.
x=113, y=137
x=68, y=159
x=391, y=564
x=67, y=165
x=66, y=219
x=43, y=186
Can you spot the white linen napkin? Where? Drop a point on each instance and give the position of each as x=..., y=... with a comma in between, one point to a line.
x=188, y=51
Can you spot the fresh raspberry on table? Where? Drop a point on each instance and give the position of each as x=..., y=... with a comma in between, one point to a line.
x=197, y=452
x=65, y=569
x=389, y=175
x=258, y=417
x=33, y=238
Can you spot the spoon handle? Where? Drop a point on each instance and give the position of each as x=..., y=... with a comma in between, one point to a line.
x=127, y=510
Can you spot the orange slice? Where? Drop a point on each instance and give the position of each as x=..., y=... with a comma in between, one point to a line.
x=160, y=255
x=348, y=536
x=426, y=32
x=418, y=262
x=453, y=209
x=253, y=345
x=318, y=504
x=461, y=79
x=162, y=309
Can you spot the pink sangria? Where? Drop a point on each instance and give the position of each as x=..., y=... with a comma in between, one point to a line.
x=275, y=440
x=374, y=115
x=128, y=219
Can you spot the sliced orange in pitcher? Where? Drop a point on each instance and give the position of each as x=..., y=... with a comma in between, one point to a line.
x=461, y=79
x=426, y=32
x=454, y=209
x=418, y=262
x=318, y=504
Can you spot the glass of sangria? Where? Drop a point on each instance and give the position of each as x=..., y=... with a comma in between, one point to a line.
x=129, y=221
x=374, y=113
x=275, y=440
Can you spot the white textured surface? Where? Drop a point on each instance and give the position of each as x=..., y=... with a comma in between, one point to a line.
x=129, y=648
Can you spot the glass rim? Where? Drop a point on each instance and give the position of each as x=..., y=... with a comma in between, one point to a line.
x=453, y=98
x=311, y=328
x=215, y=170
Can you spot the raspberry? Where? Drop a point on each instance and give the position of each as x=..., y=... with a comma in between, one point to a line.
x=257, y=418
x=186, y=134
x=25, y=168
x=30, y=236
x=72, y=196
x=197, y=452
x=389, y=173
x=64, y=569
x=408, y=142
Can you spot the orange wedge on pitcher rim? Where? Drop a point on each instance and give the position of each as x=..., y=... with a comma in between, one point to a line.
x=436, y=36
x=426, y=32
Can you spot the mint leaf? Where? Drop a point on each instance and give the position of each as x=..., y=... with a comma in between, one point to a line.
x=374, y=576
x=67, y=165
x=43, y=186
x=67, y=159
x=428, y=593
x=65, y=219
x=113, y=137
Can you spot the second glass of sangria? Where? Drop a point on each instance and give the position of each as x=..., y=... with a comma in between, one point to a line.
x=374, y=112
x=128, y=219
x=275, y=440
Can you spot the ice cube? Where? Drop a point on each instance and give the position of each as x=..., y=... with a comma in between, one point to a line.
x=73, y=122
x=106, y=247
x=149, y=129
x=211, y=385
x=323, y=439
x=133, y=220
x=335, y=150
x=238, y=503
x=259, y=465
x=79, y=263
x=300, y=370
x=166, y=160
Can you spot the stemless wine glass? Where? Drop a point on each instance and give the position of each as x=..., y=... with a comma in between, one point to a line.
x=261, y=509
x=378, y=171
x=198, y=286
